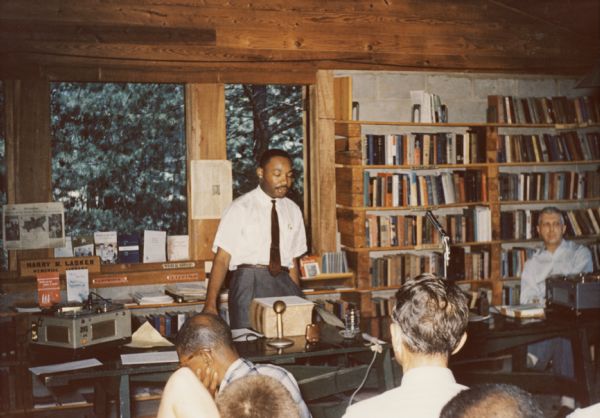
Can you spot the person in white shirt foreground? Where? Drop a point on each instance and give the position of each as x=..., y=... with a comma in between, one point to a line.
x=429, y=324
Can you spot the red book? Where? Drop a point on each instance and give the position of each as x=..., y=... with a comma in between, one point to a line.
x=48, y=287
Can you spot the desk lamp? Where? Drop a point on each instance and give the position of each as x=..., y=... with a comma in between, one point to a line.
x=279, y=342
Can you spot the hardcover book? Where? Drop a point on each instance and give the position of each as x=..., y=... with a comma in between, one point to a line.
x=48, y=289
x=106, y=246
x=129, y=248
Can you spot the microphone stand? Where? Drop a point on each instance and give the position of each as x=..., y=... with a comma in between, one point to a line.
x=445, y=240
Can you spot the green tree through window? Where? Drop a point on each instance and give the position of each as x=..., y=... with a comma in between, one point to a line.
x=118, y=156
x=260, y=117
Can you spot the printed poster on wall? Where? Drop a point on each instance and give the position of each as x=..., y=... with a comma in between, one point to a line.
x=212, y=188
x=33, y=225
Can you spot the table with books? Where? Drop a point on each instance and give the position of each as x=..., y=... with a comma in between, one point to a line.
x=496, y=351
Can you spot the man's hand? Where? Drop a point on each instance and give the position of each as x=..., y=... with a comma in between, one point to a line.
x=210, y=380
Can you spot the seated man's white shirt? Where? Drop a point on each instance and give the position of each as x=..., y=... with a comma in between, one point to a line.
x=423, y=393
x=184, y=396
x=568, y=258
x=245, y=230
x=592, y=411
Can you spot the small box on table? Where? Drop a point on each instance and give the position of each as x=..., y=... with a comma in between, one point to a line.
x=295, y=318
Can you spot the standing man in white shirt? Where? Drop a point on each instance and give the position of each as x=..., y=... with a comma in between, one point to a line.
x=429, y=323
x=264, y=261
x=557, y=256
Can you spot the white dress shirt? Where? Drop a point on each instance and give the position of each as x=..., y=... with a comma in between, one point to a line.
x=185, y=397
x=423, y=393
x=568, y=258
x=245, y=230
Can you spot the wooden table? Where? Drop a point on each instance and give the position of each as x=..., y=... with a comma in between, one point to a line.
x=502, y=335
x=332, y=366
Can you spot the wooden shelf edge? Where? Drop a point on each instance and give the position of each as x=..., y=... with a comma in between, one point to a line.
x=327, y=276
x=422, y=208
x=418, y=248
x=537, y=202
x=557, y=126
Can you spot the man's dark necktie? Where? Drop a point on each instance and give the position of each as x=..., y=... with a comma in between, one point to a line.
x=275, y=256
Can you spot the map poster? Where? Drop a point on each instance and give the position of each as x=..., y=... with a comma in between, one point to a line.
x=33, y=225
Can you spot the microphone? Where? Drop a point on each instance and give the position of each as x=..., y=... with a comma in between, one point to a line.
x=279, y=342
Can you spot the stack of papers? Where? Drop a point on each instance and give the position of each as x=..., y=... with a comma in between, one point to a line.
x=150, y=357
x=149, y=298
x=187, y=292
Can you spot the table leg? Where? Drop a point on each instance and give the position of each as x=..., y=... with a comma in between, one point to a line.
x=124, y=397
x=584, y=368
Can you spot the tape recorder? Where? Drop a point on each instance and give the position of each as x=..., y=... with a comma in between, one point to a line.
x=82, y=325
x=577, y=292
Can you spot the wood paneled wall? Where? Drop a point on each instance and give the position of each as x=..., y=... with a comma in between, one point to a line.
x=217, y=41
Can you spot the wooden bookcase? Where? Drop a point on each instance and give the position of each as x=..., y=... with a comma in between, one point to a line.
x=352, y=212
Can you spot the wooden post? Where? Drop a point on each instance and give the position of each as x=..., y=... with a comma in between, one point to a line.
x=28, y=149
x=206, y=140
x=322, y=165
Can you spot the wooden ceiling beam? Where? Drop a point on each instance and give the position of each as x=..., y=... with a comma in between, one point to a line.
x=40, y=31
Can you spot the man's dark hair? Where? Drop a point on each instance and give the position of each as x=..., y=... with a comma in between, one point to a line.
x=256, y=396
x=272, y=153
x=432, y=313
x=491, y=401
x=552, y=210
x=203, y=331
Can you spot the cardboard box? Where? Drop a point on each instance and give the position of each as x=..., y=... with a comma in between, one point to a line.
x=297, y=315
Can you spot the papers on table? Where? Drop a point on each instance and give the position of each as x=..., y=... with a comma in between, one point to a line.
x=530, y=310
x=65, y=367
x=150, y=357
x=147, y=336
x=149, y=298
x=186, y=292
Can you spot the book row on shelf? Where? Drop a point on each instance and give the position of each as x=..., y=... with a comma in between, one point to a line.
x=519, y=224
x=424, y=148
x=412, y=189
x=564, y=146
x=338, y=307
x=556, y=185
x=166, y=323
x=472, y=225
x=512, y=261
x=392, y=270
x=511, y=294
x=543, y=110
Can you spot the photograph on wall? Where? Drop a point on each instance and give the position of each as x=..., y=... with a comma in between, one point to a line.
x=33, y=225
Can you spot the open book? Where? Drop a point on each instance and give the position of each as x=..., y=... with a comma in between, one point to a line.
x=530, y=310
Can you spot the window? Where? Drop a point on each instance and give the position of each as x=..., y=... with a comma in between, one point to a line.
x=260, y=117
x=119, y=156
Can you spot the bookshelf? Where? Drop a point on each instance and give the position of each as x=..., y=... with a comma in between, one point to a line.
x=511, y=188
